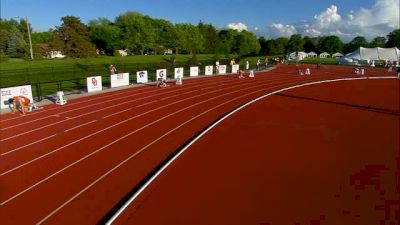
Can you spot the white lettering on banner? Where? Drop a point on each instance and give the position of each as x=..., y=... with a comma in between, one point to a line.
x=120, y=79
x=141, y=76
x=161, y=74
x=194, y=71
x=209, y=70
x=222, y=69
x=178, y=72
x=7, y=93
x=94, y=84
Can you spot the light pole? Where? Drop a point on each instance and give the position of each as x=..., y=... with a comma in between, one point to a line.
x=29, y=37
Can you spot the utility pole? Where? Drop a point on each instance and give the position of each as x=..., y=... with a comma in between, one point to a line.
x=29, y=36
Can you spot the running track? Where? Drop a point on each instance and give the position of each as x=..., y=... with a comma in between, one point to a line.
x=74, y=164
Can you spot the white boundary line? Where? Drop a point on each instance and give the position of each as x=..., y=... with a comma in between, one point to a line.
x=120, y=211
x=126, y=120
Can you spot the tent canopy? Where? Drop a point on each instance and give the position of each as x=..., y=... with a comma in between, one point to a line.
x=361, y=53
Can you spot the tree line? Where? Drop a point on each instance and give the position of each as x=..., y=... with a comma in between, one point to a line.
x=140, y=34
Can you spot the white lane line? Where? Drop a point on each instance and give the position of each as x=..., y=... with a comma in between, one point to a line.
x=148, y=145
x=30, y=121
x=125, y=94
x=30, y=131
x=81, y=125
x=32, y=143
x=163, y=168
x=104, y=108
x=109, y=127
x=103, y=147
x=116, y=113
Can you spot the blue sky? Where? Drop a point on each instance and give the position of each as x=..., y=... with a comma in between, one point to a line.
x=269, y=18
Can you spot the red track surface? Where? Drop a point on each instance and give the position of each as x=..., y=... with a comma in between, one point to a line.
x=73, y=164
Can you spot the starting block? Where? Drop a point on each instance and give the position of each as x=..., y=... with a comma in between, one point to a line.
x=251, y=73
x=179, y=80
x=33, y=107
x=60, y=98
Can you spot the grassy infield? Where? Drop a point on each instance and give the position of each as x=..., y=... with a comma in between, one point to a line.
x=70, y=74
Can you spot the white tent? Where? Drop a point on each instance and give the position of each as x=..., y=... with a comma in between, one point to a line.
x=337, y=55
x=297, y=55
x=312, y=54
x=391, y=54
x=324, y=55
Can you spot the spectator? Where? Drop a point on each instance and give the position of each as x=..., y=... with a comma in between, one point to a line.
x=112, y=69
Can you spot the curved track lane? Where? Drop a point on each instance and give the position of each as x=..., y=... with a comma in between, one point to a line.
x=83, y=158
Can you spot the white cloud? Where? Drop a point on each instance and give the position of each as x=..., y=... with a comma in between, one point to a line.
x=328, y=18
x=379, y=20
x=282, y=30
x=237, y=26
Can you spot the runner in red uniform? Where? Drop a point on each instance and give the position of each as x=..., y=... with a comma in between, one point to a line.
x=22, y=101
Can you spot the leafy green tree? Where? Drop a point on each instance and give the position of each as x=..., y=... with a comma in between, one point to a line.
x=72, y=37
x=210, y=36
x=330, y=44
x=280, y=46
x=393, y=39
x=136, y=32
x=105, y=35
x=310, y=44
x=12, y=41
x=165, y=35
x=295, y=44
x=227, y=41
x=263, y=46
x=189, y=39
x=378, y=42
x=357, y=42
x=246, y=43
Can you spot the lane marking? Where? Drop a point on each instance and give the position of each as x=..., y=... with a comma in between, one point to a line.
x=144, y=148
x=58, y=149
x=104, y=108
x=125, y=93
x=126, y=135
x=27, y=145
x=163, y=168
x=76, y=127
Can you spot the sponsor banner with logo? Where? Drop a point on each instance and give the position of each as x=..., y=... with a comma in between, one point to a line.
x=141, y=76
x=161, y=74
x=119, y=79
x=178, y=72
x=209, y=70
x=235, y=68
x=194, y=71
x=94, y=84
x=9, y=92
x=222, y=69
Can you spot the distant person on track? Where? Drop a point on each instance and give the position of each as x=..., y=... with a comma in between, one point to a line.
x=161, y=83
x=20, y=103
x=240, y=74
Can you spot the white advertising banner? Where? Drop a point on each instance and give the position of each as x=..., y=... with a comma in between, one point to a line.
x=235, y=68
x=94, y=84
x=178, y=72
x=161, y=74
x=119, y=79
x=209, y=70
x=7, y=93
x=141, y=76
x=222, y=69
x=194, y=71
